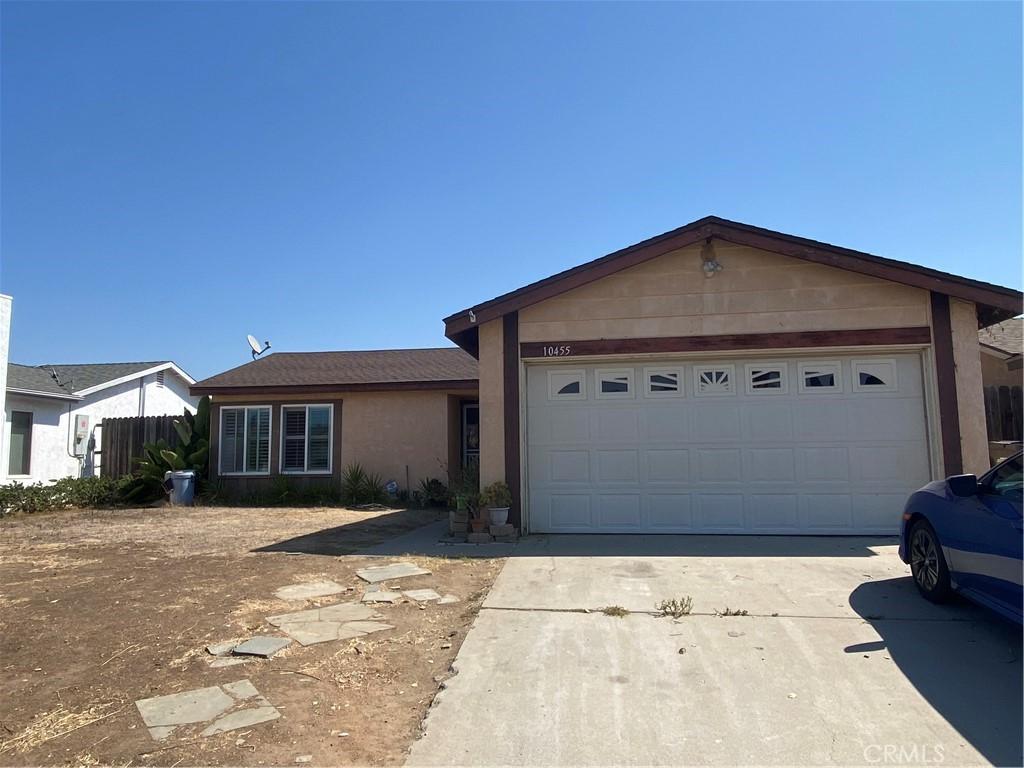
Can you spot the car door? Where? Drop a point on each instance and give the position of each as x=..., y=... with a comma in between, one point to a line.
x=986, y=549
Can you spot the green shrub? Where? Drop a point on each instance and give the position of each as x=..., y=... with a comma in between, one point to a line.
x=434, y=492
x=496, y=495
x=359, y=487
x=62, y=494
x=192, y=452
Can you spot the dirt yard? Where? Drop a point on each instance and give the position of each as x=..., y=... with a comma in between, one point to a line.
x=101, y=608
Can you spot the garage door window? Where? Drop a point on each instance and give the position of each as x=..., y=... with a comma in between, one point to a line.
x=617, y=383
x=663, y=382
x=765, y=379
x=714, y=380
x=567, y=385
x=874, y=376
x=821, y=377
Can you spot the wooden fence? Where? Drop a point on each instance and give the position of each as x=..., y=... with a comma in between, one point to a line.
x=121, y=441
x=1004, y=412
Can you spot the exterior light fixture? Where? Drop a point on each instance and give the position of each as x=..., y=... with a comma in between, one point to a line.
x=707, y=255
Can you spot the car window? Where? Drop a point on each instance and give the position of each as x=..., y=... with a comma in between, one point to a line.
x=1005, y=480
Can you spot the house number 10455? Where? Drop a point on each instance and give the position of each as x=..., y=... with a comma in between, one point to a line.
x=558, y=351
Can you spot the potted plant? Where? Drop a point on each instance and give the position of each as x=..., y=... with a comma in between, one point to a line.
x=497, y=498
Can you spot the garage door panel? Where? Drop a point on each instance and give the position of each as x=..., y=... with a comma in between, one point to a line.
x=772, y=512
x=668, y=465
x=569, y=512
x=716, y=423
x=569, y=466
x=619, y=510
x=669, y=512
x=617, y=466
x=823, y=464
x=811, y=458
x=720, y=512
x=771, y=421
x=716, y=465
x=775, y=465
x=825, y=512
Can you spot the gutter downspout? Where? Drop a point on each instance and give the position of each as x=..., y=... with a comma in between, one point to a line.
x=142, y=396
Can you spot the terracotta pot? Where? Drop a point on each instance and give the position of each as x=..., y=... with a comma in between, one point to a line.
x=499, y=515
x=478, y=524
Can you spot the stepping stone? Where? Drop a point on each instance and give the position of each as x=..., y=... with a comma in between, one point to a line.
x=263, y=645
x=392, y=571
x=448, y=600
x=242, y=719
x=366, y=627
x=336, y=612
x=222, y=649
x=228, y=661
x=309, y=590
x=382, y=596
x=314, y=632
x=241, y=690
x=422, y=595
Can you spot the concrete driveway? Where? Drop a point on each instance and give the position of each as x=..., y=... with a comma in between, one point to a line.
x=838, y=662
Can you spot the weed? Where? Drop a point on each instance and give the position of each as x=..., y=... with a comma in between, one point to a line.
x=615, y=610
x=732, y=612
x=676, y=607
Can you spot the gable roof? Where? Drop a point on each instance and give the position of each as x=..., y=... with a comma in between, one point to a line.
x=994, y=302
x=384, y=369
x=1007, y=336
x=81, y=379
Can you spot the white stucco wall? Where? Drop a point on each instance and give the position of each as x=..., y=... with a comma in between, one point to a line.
x=52, y=435
x=5, y=345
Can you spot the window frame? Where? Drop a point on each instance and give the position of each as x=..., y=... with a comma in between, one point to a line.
x=855, y=367
x=701, y=367
x=10, y=436
x=245, y=440
x=656, y=370
x=578, y=372
x=602, y=373
x=305, y=458
x=837, y=376
x=781, y=367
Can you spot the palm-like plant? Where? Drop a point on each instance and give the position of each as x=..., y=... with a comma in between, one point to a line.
x=191, y=452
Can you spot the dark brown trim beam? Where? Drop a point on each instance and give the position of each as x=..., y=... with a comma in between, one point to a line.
x=289, y=389
x=510, y=375
x=919, y=335
x=945, y=376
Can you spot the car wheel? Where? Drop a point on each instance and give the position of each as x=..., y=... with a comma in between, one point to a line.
x=927, y=563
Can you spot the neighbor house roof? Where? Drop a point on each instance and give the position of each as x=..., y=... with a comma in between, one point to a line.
x=286, y=372
x=994, y=302
x=81, y=379
x=1007, y=336
x=32, y=380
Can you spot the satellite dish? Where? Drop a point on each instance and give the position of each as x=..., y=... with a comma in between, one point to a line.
x=257, y=350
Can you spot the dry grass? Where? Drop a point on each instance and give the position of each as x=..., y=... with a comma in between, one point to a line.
x=615, y=610
x=56, y=723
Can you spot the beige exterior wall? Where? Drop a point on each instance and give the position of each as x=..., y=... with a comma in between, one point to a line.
x=492, y=403
x=383, y=431
x=994, y=372
x=756, y=292
x=969, y=395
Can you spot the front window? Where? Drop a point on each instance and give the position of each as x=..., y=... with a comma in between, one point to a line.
x=306, y=438
x=19, y=462
x=245, y=440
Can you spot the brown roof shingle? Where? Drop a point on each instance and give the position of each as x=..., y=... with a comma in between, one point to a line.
x=1007, y=336
x=363, y=370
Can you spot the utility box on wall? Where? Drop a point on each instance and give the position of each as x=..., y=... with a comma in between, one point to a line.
x=81, y=434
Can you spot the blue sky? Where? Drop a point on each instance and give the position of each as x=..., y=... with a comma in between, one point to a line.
x=342, y=176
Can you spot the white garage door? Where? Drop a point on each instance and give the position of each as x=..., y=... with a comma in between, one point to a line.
x=825, y=445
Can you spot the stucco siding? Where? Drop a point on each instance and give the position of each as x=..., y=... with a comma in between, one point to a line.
x=49, y=458
x=994, y=372
x=756, y=292
x=492, y=403
x=969, y=392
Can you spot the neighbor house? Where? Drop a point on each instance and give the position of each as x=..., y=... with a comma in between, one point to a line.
x=1001, y=374
x=719, y=378
x=54, y=413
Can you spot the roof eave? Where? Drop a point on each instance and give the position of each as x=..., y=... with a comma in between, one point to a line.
x=38, y=393
x=289, y=389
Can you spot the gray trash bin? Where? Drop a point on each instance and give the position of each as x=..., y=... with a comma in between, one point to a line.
x=182, y=487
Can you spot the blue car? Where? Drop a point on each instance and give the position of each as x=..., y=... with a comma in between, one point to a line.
x=963, y=534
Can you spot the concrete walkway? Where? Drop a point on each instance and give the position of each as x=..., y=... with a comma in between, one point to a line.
x=854, y=669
